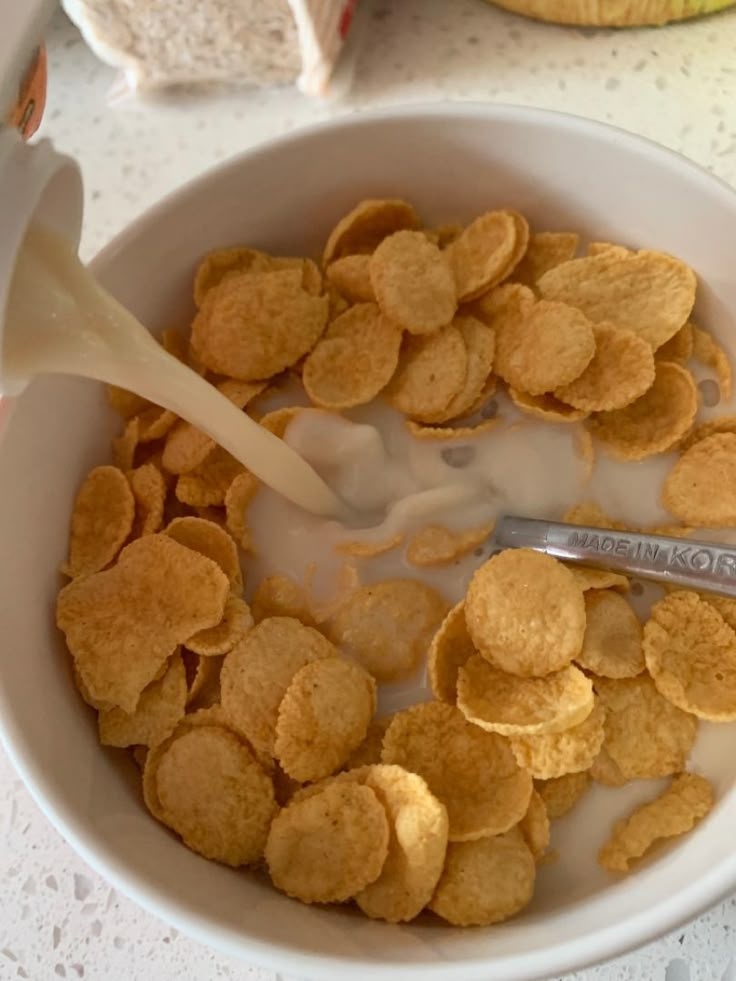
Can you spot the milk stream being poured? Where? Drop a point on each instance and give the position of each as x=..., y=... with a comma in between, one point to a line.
x=60, y=320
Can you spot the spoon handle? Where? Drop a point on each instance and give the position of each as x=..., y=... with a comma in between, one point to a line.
x=677, y=561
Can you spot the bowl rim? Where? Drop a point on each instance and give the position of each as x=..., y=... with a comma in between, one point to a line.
x=613, y=940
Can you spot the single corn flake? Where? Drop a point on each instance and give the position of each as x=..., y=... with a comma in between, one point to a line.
x=207, y=485
x=238, y=496
x=154, y=423
x=548, y=346
x=281, y=596
x=159, y=709
x=351, y=277
x=645, y=736
x=711, y=355
x=450, y=648
x=534, y=827
x=676, y=811
x=252, y=326
x=514, y=706
x=599, y=579
x=554, y=754
x=485, y=881
x=525, y=612
x=648, y=292
x=679, y=347
x=387, y=627
x=547, y=407
x=441, y=433
x=545, y=251
x=655, y=421
x=328, y=847
x=258, y=671
x=123, y=624
x=323, y=717
x=721, y=424
x=235, y=624
x=561, y=794
x=369, y=548
x=149, y=490
x=503, y=304
x=435, y=545
x=225, y=263
x=690, y=653
x=354, y=361
x=482, y=255
x=700, y=490
x=612, y=646
x=472, y=772
x=211, y=540
x=621, y=371
x=590, y=513
x=431, y=371
x=215, y=795
x=102, y=519
x=413, y=283
x=361, y=230
x=480, y=345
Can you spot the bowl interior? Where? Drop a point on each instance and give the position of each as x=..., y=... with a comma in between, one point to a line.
x=452, y=163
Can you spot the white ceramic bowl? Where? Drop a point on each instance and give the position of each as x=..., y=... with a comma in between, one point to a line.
x=452, y=162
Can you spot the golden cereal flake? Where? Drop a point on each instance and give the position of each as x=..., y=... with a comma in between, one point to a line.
x=102, y=519
x=700, y=490
x=612, y=646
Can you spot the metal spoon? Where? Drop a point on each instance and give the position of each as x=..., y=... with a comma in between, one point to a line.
x=677, y=561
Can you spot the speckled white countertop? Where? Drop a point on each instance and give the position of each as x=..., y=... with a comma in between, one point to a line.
x=677, y=85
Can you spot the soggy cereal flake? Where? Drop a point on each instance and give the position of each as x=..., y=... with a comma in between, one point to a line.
x=485, y=881
x=413, y=283
x=450, y=648
x=612, y=646
x=534, y=827
x=721, y=424
x=700, y=490
x=207, y=485
x=368, y=548
x=323, y=717
x=215, y=795
x=431, y=371
x=122, y=625
x=258, y=671
x=159, y=709
x=561, y=794
x=525, y=612
x=221, y=639
x=711, y=354
x=648, y=292
x=645, y=735
x=621, y=371
x=328, y=847
x=554, y=754
x=482, y=255
x=416, y=847
x=480, y=344
x=351, y=277
x=387, y=626
x=676, y=811
x=149, y=490
x=252, y=326
x=590, y=513
x=369, y=751
x=123, y=447
x=462, y=433
x=679, y=347
x=354, y=361
x=237, y=498
x=472, y=772
x=599, y=579
x=435, y=545
x=514, y=706
x=211, y=540
x=281, y=596
x=691, y=654
x=546, y=407
x=365, y=227
x=186, y=446
x=277, y=422
x=655, y=421
x=102, y=519
x=545, y=251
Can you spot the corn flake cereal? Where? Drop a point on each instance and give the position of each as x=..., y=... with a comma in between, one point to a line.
x=534, y=827
x=701, y=487
x=435, y=545
x=122, y=624
x=159, y=709
x=102, y=519
x=354, y=361
x=211, y=540
x=599, y=579
x=545, y=251
x=207, y=485
x=525, y=612
x=645, y=735
x=258, y=671
x=387, y=627
x=482, y=255
x=547, y=407
x=685, y=802
x=238, y=496
x=323, y=717
x=149, y=490
x=712, y=355
x=679, y=347
x=485, y=881
x=655, y=421
x=480, y=345
x=351, y=277
x=561, y=794
x=431, y=371
x=472, y=772
x=328, y=847
x=450, y=648
x=215, y=795
x=281, y=596
x=554, y=754
x=460, y=433
x=364, y=228
x=621, y=371
x=690, y=653
x=612, y=646
x=515, y=706
x=650, y=293
x=221, y=639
